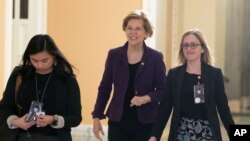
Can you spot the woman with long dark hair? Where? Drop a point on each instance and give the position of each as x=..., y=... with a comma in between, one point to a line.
x=48, y=102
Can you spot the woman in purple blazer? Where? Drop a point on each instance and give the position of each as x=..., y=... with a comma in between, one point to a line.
x=195, y=92
x=135, y=74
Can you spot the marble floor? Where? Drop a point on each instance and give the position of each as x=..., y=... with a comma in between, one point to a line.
x=241, y=116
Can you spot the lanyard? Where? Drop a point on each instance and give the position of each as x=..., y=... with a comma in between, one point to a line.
x=46, y=84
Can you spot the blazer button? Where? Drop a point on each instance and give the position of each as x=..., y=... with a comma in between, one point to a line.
x=136, y=92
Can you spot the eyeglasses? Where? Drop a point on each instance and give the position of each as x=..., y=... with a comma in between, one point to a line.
x=191, y=45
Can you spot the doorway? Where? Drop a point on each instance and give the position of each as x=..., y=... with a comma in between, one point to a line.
x=29, y=17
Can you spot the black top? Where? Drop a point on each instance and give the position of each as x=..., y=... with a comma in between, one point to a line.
x=49, y=98
x=188, y=108
x=129, y=113
x=64, y=90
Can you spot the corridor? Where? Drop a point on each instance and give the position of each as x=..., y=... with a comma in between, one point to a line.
x=235, y=105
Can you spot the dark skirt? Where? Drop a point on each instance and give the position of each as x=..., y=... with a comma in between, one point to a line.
x=194, y=130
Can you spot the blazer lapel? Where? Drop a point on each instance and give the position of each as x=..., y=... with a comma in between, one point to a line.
x=143, y=62
x=124, y=57
x=179, y=79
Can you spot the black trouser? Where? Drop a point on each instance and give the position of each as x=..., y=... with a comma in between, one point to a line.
x=128, y=131
x=25, y=136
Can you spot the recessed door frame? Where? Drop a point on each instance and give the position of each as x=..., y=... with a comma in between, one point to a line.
x=19, y=30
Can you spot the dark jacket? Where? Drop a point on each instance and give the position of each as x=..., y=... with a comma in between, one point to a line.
x=149, y=80
x=68, y=102
x=215, y=102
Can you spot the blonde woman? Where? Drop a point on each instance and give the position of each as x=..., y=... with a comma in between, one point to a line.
x=195, y=92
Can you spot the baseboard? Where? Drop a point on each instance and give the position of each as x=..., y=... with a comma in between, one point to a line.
x=86, y=130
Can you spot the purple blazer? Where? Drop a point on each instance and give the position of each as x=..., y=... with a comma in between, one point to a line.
x=150, y=80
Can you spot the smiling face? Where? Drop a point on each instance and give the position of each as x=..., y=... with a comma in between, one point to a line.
x=135, y=32
x=192, y=48
x=42, y=62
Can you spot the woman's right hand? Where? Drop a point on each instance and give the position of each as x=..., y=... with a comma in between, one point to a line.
x=152, y=138
x=20, y=123
x=97, y=128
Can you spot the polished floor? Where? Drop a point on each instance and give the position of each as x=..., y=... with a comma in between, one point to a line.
x=241, y=115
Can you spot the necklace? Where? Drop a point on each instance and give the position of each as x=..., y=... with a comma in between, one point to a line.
x=46, y=84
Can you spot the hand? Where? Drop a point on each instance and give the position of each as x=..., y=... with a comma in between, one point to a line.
x=97, y=127
x=20, y=123
x=44, y=120
x=152, y=138
x=139, y=100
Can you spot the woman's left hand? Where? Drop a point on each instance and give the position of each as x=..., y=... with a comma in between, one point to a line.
x=44, y=120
